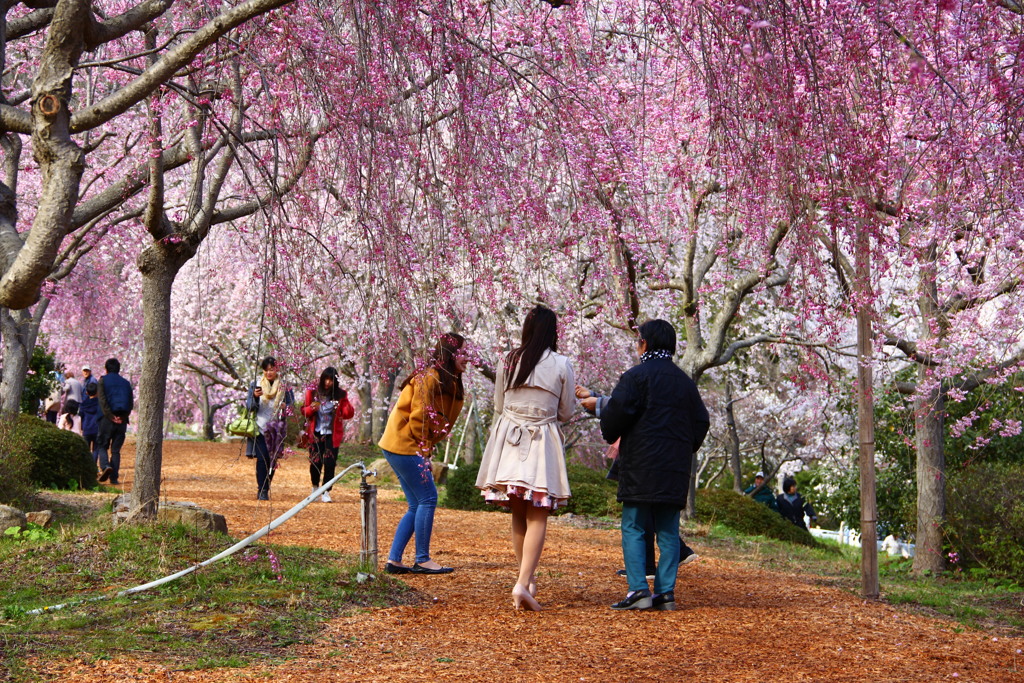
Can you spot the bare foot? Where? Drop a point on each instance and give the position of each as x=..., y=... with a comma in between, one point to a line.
x=521, y=598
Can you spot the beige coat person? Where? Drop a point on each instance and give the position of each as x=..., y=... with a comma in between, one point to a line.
x=525, y=448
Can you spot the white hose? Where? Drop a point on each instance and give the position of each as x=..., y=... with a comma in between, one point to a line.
x=220, y=556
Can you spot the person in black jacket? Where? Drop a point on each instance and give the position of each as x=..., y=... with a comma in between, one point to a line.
x=792, y=505
x=114, y=394
x=657, y=412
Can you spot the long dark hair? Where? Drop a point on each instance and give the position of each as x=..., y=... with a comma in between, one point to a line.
x=540, y=334
x=442, y=359
x=337, y=393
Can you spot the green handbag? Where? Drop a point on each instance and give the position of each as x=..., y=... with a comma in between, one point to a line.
x=245, y=425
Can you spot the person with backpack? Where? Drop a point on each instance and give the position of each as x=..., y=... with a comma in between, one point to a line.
x=116, y=402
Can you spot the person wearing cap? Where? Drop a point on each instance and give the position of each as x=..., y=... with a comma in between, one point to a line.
x=87, y=377
x=761, y=492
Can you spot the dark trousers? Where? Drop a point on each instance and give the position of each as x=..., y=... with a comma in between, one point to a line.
x=110, y=436
x=323, y=459
x=264, y=466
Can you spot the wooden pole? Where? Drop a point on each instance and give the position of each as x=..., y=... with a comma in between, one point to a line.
x=368, y=523
x=865, y=419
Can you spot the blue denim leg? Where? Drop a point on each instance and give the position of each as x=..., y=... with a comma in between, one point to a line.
x=666, y=526
x=633, y=554
x=413, y=472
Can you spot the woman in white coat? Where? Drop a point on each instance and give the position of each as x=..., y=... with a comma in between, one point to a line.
x=523, y=465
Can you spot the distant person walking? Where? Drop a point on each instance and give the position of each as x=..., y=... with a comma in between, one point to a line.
x=265, y=397
x=325, y=408
x=116, y=401
x=523, y=464
x=430, y=402
x=74, y=390
x=87, y=377
x=90, y=412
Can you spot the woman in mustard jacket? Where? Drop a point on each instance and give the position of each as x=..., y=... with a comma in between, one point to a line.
x=430, y=401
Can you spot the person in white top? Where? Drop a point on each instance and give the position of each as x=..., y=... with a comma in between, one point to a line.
x=523, y=464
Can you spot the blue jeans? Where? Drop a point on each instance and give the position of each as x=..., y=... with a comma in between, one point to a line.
x=413, y=472
x=666, y=530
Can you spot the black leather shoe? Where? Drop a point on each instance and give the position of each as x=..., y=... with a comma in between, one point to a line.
x=635, y=600
x=418, y=569
x=664, y=602
x=105, y=474
x=396, y=569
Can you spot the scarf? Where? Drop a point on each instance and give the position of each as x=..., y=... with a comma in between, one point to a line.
x=658, y=353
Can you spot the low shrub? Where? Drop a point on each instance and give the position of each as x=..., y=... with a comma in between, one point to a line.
x=15, y=465
x=985, y=516
x=747, y=516
x=592, y=494
x=60, y=459
x=461, y=492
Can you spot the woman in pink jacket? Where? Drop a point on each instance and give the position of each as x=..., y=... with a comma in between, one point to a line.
x=325, y=408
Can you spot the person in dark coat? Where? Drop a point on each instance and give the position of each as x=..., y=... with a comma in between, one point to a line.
x=792, y=505
x=89, y=410
x=116, y=401
x=657, y=412
x=762, y=492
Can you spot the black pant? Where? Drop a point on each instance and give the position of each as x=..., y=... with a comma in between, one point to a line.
x=264, y=467
x=322, y=451
x=110, y=435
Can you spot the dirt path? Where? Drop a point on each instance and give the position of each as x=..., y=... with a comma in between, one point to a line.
x=735, y=623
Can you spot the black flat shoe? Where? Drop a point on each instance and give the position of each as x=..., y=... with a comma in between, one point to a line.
x=396, y=569
x=664, y=602
x=418, y=569
x=635, y=600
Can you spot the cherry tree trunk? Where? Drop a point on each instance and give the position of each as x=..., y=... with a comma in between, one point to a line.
x=382, y=404
x=734, y=441
x=865, y=421
x=364, y=389
x=159, y=267
x=19, y=330
x=209, y=411
x=929, y=409
x=469, y=440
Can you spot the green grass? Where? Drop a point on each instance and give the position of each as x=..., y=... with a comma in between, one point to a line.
x=252, y=606
x=975, y=600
